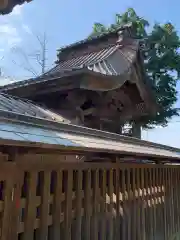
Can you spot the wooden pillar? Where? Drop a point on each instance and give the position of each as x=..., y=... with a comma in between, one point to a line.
x=136, y=130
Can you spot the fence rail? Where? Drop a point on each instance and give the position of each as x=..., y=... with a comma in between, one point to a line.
x=56, y=200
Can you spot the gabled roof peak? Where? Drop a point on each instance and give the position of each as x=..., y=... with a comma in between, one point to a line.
x=95, y=38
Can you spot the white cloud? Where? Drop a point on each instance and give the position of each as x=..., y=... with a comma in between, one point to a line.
x=9, y=36
x=17, y=11
x=26, y=28
x=10, y=26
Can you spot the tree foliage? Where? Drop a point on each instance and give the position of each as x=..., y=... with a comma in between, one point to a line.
x=161, y=60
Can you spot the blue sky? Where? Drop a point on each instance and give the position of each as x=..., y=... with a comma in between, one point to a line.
x=67, y=21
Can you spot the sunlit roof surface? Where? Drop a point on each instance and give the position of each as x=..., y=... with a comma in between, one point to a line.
x=27, y=108
x=22, y=132
x=58, y=138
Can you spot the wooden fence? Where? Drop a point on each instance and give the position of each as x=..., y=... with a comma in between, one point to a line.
x=46, y=198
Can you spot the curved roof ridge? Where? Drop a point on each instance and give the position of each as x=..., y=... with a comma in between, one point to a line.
x=94, y=38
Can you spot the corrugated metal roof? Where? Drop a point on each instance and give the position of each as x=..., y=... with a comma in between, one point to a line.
x=84, y=60
x=25, y=133
x=105, y=142
x=27, y=108
x=98, y=61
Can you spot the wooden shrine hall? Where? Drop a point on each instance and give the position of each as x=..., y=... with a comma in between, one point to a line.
x=62, y=179
x=99, y=83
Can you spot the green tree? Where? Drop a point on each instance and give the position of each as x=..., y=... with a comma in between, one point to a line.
x=161, y=60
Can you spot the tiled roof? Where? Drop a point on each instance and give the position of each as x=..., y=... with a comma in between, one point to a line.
x=27, y=108
x=113, y=60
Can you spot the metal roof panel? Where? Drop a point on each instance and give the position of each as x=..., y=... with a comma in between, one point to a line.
x=88, y=142
x=27, y=108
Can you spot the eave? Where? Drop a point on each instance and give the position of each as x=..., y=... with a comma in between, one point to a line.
x=62, y=137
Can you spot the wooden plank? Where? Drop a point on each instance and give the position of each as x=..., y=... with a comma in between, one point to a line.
x=178, y=196
x=16, y=206
x=160, y=206
x=103, y=206
x=154, y=188
x=45, y=206
x=111, y=190
x=95, y=204
x=78, y=205
x=139, y=221
x=68, y=204
x=168, y=204
x=147, y=218
x=134, y=230
x=7, y=208
x=165, y=205
x=142, y=186
x=30, y=210
x=175, y=200
x=172, y=200
x=124, y=207
x=87, y=204
x=57, y=206
x=151, y=204
x=128, y=187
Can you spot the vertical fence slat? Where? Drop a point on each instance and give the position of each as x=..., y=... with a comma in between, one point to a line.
x=170, y=202
x=68, y=205
x=87, y=204
x=117, y=191
x=57, y=206
x=123, y=217
x=30, y=213
x=139, y=222
x=178, y=197
x=129, y=204
x=110, y=222
x=151, y=204
x=134, y=230
x=7, y=207
x=103, y=206
x=45, y=206
x=78, y=205
x=160, y=207
x=175, y=199
x=95, y=204
x=143, y=210
x=16, y=208
x=165, y=206
x=147, y=219
x=154, y=187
